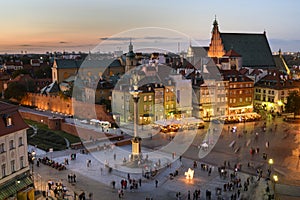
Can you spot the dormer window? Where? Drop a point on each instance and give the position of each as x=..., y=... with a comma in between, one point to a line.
x=8, y=121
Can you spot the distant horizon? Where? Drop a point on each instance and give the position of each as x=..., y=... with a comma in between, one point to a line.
x=59, y=25
x=275, y=45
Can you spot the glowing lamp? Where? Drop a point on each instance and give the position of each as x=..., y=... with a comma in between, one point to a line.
x=189, y=174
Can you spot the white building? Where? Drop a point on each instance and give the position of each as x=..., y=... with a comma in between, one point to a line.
x=15, y=180
x=184, y=95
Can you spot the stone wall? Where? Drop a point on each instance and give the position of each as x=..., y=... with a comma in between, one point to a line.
x=34, y=117
x=67, y=106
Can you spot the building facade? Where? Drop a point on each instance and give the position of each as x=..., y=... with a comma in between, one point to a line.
x=272, y=91
x=15, y=176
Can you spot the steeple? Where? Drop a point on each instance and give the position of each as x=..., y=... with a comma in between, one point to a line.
x=130, y=46
x=215, y=21
x=279, y=52
x=216, y=25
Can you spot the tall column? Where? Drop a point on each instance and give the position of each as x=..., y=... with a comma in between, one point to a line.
x=135, y=117
x=136, y=140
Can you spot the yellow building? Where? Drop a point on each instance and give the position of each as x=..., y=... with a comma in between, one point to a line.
x=271, y=92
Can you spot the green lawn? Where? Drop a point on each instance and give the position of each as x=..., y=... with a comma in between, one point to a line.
x=46, y=138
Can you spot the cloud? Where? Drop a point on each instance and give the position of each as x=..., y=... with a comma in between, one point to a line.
x=25, y=45
x=161, y=38
x=117, y=38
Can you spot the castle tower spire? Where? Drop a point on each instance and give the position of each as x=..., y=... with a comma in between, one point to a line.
x=130, y=46
x=216, y=47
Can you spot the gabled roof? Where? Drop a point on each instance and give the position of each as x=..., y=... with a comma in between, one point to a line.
x=68, y=63
x=254, y=48
x=8, y=110
x=52, y=88
x=232, y=53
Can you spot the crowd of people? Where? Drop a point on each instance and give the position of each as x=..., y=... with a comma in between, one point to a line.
x=47, y=161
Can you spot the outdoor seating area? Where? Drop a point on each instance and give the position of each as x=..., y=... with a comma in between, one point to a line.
x=238, y=118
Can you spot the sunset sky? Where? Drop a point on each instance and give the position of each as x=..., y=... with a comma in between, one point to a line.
x=57, y=25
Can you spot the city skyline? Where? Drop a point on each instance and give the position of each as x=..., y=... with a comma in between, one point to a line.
x=37, y=27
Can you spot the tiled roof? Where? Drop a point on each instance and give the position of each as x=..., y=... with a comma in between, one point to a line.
x=276, y=80
x=232, y=53
x=232, y=74
x=254, y=48
x=244, y=71
x=8, y=110
x=68, y=63
x=101, y=64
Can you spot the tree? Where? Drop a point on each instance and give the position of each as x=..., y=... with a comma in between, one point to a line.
x=43, y=72
x=19, y=72
x=293, y=103
x=15, y=90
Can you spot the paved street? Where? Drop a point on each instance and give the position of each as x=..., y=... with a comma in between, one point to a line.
x=283, y=144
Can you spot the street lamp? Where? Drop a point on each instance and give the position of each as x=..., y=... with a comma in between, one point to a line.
x=275, y=178
x=271, y=162
x=33, y=154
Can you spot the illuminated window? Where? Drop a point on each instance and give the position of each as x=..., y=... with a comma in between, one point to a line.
x=241, y=99
x=150, y=97
x=8, y=121
x=145, y=98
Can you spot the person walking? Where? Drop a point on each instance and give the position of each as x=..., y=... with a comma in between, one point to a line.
x=74, y=178
x=156, y=183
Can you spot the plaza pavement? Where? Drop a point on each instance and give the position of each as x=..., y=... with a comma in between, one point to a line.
x=90, y=179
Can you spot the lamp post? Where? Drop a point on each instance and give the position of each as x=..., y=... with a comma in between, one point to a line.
x=33, y=154
x=275, y=178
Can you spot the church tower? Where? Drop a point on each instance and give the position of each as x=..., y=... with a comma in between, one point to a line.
x=216, y=48
x=131, y=60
